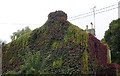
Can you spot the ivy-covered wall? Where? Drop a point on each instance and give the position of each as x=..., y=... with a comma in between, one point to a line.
x=97, y=50
x=11, y=52
x=64, y=48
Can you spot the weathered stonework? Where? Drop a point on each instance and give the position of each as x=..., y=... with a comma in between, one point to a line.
x=57, y=14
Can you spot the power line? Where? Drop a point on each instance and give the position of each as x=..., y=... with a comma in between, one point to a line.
x=107, y=7
x=107, y=10
x=102, y=10
x=81, y=14
x=18, y=24
x=81, y=17
x=89, y=13
x=78, y=16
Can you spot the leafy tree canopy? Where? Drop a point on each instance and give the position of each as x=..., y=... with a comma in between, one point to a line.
x=2, y=42
x=112, y=38
x=20, y=33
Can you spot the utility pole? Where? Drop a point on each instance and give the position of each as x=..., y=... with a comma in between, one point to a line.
x=94, y=19
x=94, y=15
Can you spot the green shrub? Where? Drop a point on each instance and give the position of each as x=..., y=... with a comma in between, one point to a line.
x=31, y=62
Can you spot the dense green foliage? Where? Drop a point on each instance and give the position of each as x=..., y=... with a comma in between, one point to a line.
x=11, y=52
x=112, y=38
x=20, y=33
x=57, y=47
x=34, y=63
x=61, y=47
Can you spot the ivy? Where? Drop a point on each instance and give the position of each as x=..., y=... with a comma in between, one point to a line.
x=56, y=47
x=57, y=63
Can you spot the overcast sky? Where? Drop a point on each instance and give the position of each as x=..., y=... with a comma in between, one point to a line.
x=16, y=14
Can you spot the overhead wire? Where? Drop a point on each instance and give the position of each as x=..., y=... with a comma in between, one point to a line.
x=19, y=24
x=105, y=9
x=80, y=15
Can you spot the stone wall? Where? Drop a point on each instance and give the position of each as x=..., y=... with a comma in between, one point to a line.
x=57, y=14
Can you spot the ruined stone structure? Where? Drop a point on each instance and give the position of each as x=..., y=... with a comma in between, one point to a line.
x=81, y=52
x=57, y=15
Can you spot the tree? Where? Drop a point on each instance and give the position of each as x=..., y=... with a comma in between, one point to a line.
x=20, y=33
x=2, y=42
x=112, y=38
